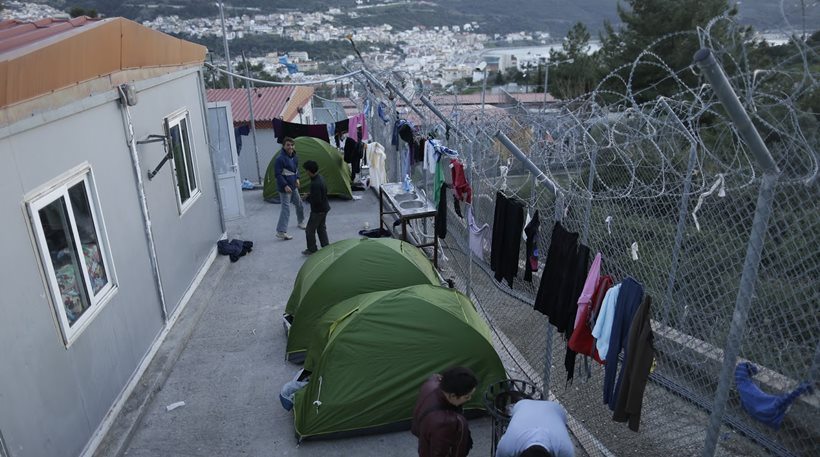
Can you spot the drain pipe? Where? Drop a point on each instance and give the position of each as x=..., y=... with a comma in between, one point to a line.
x=146, y=217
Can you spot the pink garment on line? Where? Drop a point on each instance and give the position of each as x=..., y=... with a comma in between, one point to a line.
x=589, y=288
x=353, y=123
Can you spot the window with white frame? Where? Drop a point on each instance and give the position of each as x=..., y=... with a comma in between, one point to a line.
x=67, y=228
x=182, y=158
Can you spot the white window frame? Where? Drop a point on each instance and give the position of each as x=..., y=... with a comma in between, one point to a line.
x=193, y=194
x=52, y=192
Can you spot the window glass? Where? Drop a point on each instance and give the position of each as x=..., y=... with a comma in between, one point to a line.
x=179, y=163
x=66, y=222
x=84, y=220
x=189, y=161
x=65, y=261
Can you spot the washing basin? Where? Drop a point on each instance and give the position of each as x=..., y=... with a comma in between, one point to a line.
x=405, y=197
x=411, y=204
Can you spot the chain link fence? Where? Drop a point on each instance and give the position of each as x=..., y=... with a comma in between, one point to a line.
x=669, y=192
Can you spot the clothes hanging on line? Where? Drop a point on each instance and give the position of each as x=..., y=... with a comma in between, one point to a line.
x=437, y=180
x=640, y=352
x=531, y=259
x=284, y=129
x=357, y=127
x=562, y=279
x=629, y=299
x=479, y=242
x=508, y=222
x=582, y=341
x=353, y=153
x=238, y=133
x=566, y=314
x=461, y=187
x=377, y=158
x=441, y=212
x=603, y=324
x=589, y=288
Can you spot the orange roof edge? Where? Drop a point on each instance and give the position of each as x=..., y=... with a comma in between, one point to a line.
x=56, y=54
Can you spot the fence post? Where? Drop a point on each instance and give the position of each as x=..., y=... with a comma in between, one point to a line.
x=723, y=90
x=588, y=208
x=682, y=212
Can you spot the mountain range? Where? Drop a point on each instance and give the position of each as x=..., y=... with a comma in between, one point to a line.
x=493, y=16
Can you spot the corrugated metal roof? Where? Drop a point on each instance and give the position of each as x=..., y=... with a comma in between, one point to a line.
x=16, y=34
x=43, y=57
x=268, y=102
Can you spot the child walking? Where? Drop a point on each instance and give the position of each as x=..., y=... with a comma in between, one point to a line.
x=319, y=207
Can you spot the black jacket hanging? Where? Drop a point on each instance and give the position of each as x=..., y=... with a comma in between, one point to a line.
x=506, y=242
x=441, y=212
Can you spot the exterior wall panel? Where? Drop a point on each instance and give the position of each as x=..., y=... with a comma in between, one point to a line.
x=54, y=397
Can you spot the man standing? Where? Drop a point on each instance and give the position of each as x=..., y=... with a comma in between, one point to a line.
x=286, y=170
x=438, y=421
x=538, y=428
x=318, y=208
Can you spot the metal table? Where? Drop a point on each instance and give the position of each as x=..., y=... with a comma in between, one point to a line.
x=408, y=206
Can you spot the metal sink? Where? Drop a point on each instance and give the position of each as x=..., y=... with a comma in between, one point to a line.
x=405, y=197
x=411, y=204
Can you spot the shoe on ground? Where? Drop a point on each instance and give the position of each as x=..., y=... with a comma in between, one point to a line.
x=283, y=236
x=302, y=226
x=307, y=252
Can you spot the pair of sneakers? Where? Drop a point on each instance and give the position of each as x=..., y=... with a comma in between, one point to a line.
x=288, y=236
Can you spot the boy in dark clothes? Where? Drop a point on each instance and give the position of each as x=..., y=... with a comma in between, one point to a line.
x=319, y=207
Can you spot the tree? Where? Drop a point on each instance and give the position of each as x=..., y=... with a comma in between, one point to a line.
x=644, y=23
x=573, y=71
x=77, y=11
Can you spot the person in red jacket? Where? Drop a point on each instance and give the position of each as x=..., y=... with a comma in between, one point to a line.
x=438, y=421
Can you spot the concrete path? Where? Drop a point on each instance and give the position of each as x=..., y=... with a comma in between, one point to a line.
x=225, y=358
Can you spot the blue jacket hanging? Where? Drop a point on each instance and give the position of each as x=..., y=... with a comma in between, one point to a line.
x=766, y=408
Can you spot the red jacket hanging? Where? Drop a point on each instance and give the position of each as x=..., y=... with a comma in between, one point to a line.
x=461, y=187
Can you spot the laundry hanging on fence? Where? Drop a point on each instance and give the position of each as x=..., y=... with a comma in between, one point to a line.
x=461, y=187
x=629, y=299
x=508, y=222
x=376, y=157
x=766, y=408
x=441, y=212
x=479, y=243
x=582, y=341
x=357, y=127
x=638, y=357
x=562, y=279
x=284, y=129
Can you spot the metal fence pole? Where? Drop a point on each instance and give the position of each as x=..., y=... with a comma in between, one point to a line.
x=723, y=90
x=253, y=120
x=588, y=208
x=682, y=212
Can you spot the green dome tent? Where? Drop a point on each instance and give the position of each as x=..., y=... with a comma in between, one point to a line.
x=331, y=166
x=345, y=269
x=370, y=354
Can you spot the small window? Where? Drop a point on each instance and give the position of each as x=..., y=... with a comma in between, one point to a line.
x=182, y=158
x=74, y=252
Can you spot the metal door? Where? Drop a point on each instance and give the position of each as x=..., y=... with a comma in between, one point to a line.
x=226, y=164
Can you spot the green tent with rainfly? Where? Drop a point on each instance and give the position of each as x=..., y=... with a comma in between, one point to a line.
x=345, y=269
x=331, y=166
x=370, y=354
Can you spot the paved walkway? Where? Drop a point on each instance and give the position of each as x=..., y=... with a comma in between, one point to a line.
x=225, y=358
